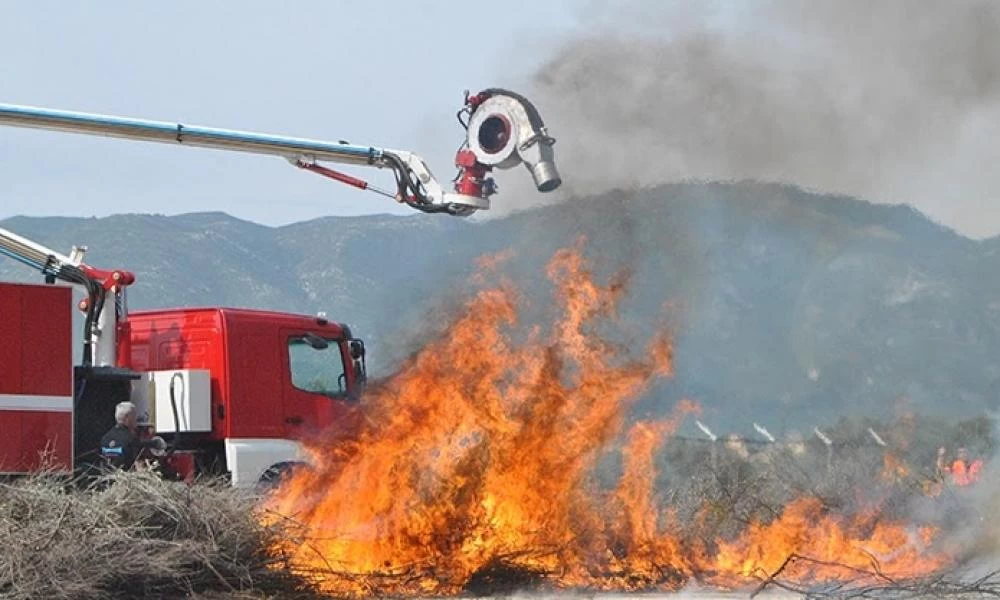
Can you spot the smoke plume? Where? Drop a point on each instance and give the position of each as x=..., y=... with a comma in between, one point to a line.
x=894, y=101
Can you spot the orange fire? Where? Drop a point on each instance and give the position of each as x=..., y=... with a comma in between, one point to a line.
x=477, y=461
x=834, y=548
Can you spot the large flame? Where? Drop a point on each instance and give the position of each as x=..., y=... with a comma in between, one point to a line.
x=477, y=460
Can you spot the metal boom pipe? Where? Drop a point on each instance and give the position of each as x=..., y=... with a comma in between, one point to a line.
x=189, y=135
x=38, y=257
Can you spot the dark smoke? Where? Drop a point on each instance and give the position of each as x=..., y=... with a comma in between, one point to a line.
x=894, y=101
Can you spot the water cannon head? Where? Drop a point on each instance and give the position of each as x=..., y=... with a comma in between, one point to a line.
x=505, y=130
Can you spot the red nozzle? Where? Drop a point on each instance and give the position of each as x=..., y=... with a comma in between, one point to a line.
x=471, y=179
x=473, y=101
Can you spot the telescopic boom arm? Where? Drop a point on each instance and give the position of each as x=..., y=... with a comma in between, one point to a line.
x=503, y=129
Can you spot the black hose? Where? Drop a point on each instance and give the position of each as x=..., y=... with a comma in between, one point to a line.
x=173, y=406
x=399, y=170
x=411, y=191
x=96, y=295
x=464, y=122
x=409, y=187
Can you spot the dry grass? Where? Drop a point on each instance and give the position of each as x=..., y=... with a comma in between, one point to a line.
x=133, y=535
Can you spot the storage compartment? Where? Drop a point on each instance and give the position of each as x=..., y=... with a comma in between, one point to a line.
x=36, y=378
x=191, y=396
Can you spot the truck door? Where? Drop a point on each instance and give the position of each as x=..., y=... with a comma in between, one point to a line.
x=315, y=393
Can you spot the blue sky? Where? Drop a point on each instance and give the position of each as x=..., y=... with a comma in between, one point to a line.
x=388, y=74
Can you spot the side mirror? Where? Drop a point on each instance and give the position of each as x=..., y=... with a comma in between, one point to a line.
x=357, y=349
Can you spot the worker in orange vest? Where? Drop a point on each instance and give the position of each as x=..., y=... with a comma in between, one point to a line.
x=975, y=470
x=960, y=468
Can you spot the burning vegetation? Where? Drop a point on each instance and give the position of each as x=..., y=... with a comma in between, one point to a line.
x=493, y=461
x=482, y=464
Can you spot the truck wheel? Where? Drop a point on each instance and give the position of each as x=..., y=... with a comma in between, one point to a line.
x=275, y=474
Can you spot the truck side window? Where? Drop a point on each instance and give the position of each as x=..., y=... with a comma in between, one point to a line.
x=316, y=369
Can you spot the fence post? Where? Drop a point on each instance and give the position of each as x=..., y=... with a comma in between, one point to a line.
x=713, y=454
x=829, y=448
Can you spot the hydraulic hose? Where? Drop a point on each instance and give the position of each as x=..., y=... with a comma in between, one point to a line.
x=173, y=407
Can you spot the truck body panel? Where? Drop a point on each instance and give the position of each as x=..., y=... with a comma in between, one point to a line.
x=36, y=378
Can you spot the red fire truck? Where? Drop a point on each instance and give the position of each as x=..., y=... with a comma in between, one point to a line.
x=233, y=391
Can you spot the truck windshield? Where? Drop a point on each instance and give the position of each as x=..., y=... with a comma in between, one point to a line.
x=317, y=367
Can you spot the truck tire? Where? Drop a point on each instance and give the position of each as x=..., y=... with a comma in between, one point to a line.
x=275, y=474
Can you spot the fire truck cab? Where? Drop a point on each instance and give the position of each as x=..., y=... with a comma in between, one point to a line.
x=239, y=386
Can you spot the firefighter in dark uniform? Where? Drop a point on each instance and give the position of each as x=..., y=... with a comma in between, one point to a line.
x=121, y=445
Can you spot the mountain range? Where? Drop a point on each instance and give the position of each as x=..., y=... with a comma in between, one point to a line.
x=791, y=306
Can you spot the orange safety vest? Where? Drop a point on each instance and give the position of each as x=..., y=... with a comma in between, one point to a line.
x=975, y=468
x=959, y=473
